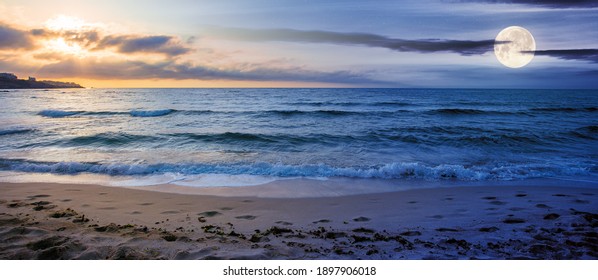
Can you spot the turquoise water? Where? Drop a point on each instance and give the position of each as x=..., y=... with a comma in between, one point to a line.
x=424, y=134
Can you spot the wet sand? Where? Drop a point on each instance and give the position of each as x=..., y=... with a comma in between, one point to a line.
x=70, y=221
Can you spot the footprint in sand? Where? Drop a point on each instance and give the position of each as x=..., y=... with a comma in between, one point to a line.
x=247, y=200
x=16, y=204
x=488, y=229
x=447, y=230
x=497, y=202
x=551, y=216
x=246, y=217
x=135, y=213
x=543, y=206
x=411, y=233
x=145, y=204
x=210, y=213
x=437, y=217
x=323, y=221
x=412, y=202
x=226, y=208
x=66, y=200
x=581, y=201
x=170, y=212
x=107, y=208
x=38, y=196
x=489, y=197
x=284, y=223
x=40, y=203
x=520, y=195
x=361, y=219
x=513, y=221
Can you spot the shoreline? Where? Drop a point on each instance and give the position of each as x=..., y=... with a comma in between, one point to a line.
x=276, y=187
x=73, y=221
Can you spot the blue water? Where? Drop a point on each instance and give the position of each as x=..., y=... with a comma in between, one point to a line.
x=429, y=134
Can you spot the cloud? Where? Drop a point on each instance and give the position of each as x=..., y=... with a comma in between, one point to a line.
x=95, y=69
x=11, y=38
x=574, y=54
x=463, y=47
x=546, y=3
x=167, y=45
x=82, y=37
x=50, y=56
x=93, y=39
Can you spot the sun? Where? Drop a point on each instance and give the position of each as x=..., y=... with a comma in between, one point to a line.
x=61, y=46
x=63, y=26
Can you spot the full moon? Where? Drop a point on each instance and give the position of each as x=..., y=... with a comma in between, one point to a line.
x=514, y=47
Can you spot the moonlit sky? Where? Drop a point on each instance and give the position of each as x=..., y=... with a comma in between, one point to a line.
x=269, y=43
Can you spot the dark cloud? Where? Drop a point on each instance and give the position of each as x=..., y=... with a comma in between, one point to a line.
x=170, y=70
x=12, y=38
x=154, y=44
x=546, y=3
x=575, y=54
x=463, y=47
x=85, y=38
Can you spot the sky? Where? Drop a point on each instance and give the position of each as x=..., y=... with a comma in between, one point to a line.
x=300, y=43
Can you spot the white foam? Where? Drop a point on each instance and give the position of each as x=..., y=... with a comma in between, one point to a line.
x=397, y=170
x=219, y=180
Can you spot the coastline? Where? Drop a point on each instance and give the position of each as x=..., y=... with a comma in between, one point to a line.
x=74, y=221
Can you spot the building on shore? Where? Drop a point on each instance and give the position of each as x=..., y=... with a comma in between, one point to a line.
x=9, y=76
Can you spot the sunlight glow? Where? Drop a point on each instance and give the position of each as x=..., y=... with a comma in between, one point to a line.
x=60, y=45
x=63, y=22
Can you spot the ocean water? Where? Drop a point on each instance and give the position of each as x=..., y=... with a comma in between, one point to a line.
x=250, y=136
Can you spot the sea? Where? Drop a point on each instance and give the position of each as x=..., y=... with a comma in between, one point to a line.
x=244, y=137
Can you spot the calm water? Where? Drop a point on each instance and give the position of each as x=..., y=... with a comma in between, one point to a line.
x=431, y=134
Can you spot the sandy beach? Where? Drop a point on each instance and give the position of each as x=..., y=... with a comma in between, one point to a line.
x=70, y=221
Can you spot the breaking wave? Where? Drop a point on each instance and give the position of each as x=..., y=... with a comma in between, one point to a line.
x=397, y=170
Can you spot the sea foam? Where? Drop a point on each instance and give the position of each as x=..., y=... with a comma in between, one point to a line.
x=396, y=170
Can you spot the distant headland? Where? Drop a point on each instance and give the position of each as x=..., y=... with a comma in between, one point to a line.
x=10, y=81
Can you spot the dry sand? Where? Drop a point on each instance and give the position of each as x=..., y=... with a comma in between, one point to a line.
x=66, y=221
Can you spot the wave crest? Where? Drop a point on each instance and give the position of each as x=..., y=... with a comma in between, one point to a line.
x=58, y=113
x=15, y=130
x=151, y=113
